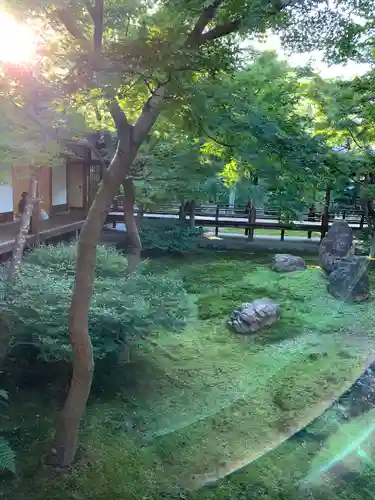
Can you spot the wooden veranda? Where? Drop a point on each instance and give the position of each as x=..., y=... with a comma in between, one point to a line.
x=59, y=225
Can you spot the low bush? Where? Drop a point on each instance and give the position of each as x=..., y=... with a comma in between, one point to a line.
x=7, y=455
x=123, y=307
x=168, y=235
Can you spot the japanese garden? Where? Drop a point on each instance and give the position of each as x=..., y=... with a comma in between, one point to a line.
x=187, y=246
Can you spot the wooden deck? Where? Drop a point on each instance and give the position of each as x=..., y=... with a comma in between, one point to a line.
x=57, y=225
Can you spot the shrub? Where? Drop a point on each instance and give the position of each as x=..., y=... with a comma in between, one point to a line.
x=7, y=455
x=123, y=307
x=168, y=235
x=61, y=260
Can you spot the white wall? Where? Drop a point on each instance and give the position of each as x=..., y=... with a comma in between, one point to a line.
x=59, y=191
x=6, y=197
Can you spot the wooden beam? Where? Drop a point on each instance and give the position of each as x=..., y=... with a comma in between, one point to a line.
x=86, y=183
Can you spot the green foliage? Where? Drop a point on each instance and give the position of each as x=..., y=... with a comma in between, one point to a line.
x=7, y=455
x=60, y=260
x=123, y=308
x=260, y=134
x=168, y=235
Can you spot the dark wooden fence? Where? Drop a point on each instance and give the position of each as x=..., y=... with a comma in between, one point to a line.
x=222, y=216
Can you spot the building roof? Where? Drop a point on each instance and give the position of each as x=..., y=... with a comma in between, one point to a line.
x=77, y=150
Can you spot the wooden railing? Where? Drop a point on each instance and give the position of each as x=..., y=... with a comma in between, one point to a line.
x=222, y=216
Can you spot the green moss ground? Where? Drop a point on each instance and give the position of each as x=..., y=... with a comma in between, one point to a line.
x=198, y=404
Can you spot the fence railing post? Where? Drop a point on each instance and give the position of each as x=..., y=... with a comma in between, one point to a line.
x=362, y=221
x=217, y=221
x=251, y=219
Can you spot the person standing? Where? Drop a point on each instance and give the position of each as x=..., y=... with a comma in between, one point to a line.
x=249, y=207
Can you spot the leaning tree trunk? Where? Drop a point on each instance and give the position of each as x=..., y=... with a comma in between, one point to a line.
x=135, y=245
x=65, y=444
x=130, y=138
x=20, y=242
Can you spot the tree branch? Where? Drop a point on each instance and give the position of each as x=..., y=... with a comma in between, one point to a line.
x=98, y=25
x=354, y=138
x=220, y=31
x=149, y=115
x=207, y=15
x=118, y=115
x=97, y=13
x=197, y=37
x=49, y=132
x=90, y=8
x=66, y=18
x=215, y=139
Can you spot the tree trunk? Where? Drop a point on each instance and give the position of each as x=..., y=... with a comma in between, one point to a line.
x=25, y=222
x=65, y=444
x=192, y=213
x=134, y=254
x=130, y=139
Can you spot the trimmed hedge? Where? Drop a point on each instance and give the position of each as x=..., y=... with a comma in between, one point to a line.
x=123, y=307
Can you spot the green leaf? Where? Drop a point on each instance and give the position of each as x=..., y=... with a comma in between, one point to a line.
x=7, y=457
x=4, y=395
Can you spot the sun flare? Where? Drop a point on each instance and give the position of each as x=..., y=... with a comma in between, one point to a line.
x=17, y=41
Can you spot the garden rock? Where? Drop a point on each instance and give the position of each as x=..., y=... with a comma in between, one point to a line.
x=252, y=316
x=336, y=245
x=284, y=263
x=349, y=280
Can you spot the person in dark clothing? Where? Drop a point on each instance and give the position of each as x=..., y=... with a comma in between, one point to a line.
x=249, y=206
x=22, y=206
x=248, y=209
x=311, y=214
x=311, y=217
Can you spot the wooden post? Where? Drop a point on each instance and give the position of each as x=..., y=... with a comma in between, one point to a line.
x=115, y=209
x=181, y=213
x=35, y=218
x=87, y=195
x=251, y=220
x=217, y=221
x=139, y=216
x=310, y=217
x=362, y=221
x=192, y=213
x=325, y=216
